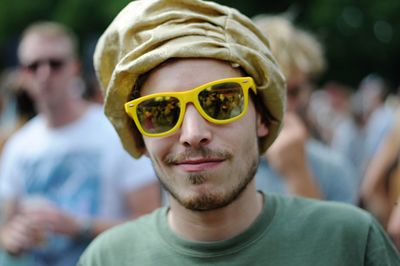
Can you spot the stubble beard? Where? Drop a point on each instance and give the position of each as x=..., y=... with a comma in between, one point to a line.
x=208, y=201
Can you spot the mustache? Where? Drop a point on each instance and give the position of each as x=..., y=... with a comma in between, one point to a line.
x=202, y=152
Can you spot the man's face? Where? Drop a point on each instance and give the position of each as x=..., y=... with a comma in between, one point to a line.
x=204, y=166
x=48, y=68
x=298, y=91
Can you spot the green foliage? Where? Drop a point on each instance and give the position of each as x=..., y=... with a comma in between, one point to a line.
x=14, y=15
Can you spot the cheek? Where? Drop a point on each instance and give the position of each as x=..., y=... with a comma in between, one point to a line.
x=246, y=130
x=64, y=79
x=157, y=148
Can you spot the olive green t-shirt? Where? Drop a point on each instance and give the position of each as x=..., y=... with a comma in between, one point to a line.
x=289, y=231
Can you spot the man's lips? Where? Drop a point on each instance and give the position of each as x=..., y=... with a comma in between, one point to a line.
x=199, y=165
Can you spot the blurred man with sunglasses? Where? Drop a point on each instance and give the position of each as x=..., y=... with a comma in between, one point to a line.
x=193, y=85
x=64, y=176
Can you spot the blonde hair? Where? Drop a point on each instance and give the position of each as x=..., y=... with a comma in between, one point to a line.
x=51, y=29
x=294, y=49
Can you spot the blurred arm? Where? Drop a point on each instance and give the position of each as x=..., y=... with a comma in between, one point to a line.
x=373, y=189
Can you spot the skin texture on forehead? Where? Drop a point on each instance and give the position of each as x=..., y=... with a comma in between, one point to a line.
x=187, y=78
x=204, y=166
x=39, y=46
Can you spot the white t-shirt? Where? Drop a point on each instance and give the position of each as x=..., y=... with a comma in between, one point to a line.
x=81, y=167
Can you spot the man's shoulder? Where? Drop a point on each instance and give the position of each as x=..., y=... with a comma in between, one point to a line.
x=138, y=234
x=136, y=226
x=324, y=213
x=96, y=117
x=340, y=232
x=96, y=123
x=28, y=133
x=314, y=220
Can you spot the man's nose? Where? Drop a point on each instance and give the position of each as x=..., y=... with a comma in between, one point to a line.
x=43, y=71
x=195, y=130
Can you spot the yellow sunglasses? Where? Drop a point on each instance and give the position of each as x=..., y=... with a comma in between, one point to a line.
x=222, y=101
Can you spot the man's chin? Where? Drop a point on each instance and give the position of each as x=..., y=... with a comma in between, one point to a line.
x=206, y=202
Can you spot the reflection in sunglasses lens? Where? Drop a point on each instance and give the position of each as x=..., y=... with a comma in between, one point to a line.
x=159, y=114
x=222, y=101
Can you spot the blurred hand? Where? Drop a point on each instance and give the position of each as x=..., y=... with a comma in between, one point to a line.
x=287, y=156
x=287, y=153
x=22, y=233
x=55, y=219
x=28, y=229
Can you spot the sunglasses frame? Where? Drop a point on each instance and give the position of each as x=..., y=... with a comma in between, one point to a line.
x=191, y=96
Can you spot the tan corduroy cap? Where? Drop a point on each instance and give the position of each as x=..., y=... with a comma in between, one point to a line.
x=148, y=32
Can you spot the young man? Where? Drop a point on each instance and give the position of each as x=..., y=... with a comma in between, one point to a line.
x=198, y=79
x=64, y=176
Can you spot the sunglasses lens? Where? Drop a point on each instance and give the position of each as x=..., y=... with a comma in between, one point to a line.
x=222, y=101
x=158, y=114
x=32, y=67
x=56, y=64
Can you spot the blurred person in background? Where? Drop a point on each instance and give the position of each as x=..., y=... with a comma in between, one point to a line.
x=359, y=137
x=348, y=138
x=297, y=163
x=64, y=177
x=328, y=107
x=379, y=118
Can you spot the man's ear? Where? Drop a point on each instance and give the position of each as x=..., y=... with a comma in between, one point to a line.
x=262, y=128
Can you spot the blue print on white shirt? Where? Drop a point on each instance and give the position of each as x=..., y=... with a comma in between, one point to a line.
x=70, y=180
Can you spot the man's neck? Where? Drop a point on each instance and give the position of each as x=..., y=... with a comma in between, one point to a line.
x=68, y=112
x=219, y=224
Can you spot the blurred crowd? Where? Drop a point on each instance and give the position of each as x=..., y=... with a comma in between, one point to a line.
x=338, y=143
